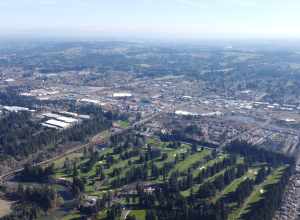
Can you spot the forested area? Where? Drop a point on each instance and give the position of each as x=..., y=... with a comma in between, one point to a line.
x=168, y=202
x=36, y=173
x=175, y=180
x=32, y=202
x=11, y=97
x=22, y=135
x=168, y=180
x=256, y=154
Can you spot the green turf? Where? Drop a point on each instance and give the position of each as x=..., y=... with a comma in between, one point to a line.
x=208, y=164
x=190, y=160
x=123, y=124
x=139, y=214
x=234, y=184
x=72, y=215
x=257, y=194
x=195, y=187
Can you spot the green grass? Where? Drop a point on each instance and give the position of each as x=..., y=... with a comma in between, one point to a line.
x=123, y=124
x=257, y=194
x=208, y=164
x=190, y=160
x=102, y=135
x=171, y=154
x=102, y=215
x=71, y=216
x=139, y=214
x=60, y=162
x=195, y=187
x=123, y=165
x=234, y=184
x=154, y=141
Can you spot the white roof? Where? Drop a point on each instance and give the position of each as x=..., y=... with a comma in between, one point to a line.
x=217, y=113
x=84, y=116
x=58, y=123
x=9, y=80
x=67, y=119
x=90, y=101
x=180, y=112
x=187, y=97
x=26, y=94
x=15, y=108
x=122, y=94
x=50, y=115
x=61, y=118
x=290, y=120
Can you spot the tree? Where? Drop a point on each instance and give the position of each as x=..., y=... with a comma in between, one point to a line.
x=150, y=215
x=130, y=217
x=154, y=171
x=75, y=171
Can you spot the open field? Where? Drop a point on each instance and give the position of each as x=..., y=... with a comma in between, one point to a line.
x=4, y=207
x=139, y=214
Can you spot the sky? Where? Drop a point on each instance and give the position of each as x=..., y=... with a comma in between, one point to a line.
x=151, y=18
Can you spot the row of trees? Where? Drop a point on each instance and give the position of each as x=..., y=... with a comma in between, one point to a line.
x=265, y=208
x=36, y=173
x=210, y=188
x=215, y=168
x=32, y=202
x=256, y=154
x=244, y=188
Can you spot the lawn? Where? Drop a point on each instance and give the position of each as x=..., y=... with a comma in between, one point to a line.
x=139, y=214
x=190, y=160
x=195, y=187
x=60, y=162
x=208, y=164
x=234, y=184
x=257, y=193
x=72, y=215
x=123, y=124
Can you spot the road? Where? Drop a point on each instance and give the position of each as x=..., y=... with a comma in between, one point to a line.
x=12, y=173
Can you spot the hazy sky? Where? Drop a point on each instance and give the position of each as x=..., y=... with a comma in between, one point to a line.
x=172, y=18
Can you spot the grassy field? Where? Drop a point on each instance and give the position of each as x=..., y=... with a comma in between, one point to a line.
x=60, y=162
x=188, y=162
x=71, y=216
x=139, y=214
x=208, y=164
x=101, y=215
x=123, y=124
x=251, y=174
x=256, y=194
x=195, y=187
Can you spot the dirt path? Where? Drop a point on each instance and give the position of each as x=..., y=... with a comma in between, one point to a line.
x=124, y=214
x=4, y=207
